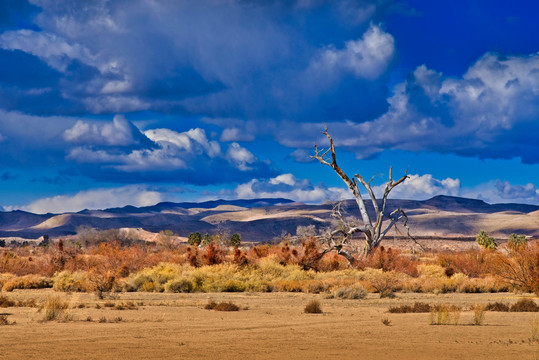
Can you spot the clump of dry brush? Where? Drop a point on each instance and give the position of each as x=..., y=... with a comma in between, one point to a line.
x=120, y=265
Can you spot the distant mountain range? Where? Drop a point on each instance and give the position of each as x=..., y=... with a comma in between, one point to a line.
x=266, y=219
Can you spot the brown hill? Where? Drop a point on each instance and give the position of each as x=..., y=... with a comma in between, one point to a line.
x=266, y=219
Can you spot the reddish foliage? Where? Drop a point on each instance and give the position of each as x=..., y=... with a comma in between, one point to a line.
x=240, y=258
x=520, y=267
x=472, y=262
x=192, y=256
x=311, y=254
x=213, y=255
x=389, y=260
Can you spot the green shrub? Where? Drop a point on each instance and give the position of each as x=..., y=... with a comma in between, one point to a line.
x=486, y=241
x=235, y=240
x=70, y=281
x=194, y=239
x=516, y=240
x=179, y=286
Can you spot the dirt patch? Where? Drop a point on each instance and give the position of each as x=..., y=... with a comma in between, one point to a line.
x=274, y=326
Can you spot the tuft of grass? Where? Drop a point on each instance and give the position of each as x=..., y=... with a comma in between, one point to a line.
x=418, y=307
x=386, y=321
x=210, y=305
x=445, y=314
x=6, y=302
x=313, y=307
x=478, y=314
x=349, y=292
x=226, y=306
x=222, y=306
x=129, y=305
x=4, y=320
x=55, y=309
x=525, y=305
x=497, y=306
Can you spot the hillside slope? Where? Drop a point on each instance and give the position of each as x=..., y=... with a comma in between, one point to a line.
x=266, y=219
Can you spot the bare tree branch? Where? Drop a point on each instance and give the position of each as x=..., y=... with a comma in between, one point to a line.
x=373, y=234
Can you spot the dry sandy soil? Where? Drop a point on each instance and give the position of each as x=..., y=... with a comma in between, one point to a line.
x=176, y=326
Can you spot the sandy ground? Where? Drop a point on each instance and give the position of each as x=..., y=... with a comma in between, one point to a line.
x=175, y=326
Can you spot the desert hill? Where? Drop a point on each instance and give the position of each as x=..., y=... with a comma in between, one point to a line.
x=265, y=219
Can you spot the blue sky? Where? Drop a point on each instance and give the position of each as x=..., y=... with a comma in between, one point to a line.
x=109, y=103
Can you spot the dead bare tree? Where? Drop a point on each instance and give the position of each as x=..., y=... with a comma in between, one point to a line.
x=374, y=232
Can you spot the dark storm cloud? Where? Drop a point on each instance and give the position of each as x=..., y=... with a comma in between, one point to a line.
x=301, y=60
x=492, y=111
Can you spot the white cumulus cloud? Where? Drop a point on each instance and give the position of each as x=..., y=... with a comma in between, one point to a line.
x=497, y=191
x=289, y=187
x=95, y=199
x=120, y=132
x=422, y=187
x=240, y=157
x=367, y=57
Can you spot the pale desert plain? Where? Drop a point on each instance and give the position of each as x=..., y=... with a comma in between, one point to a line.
x=267, y=326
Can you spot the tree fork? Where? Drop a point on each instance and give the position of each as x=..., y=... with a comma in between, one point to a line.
x=374, y=233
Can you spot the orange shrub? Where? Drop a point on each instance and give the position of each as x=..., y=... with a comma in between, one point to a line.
x=520, y=266
x=390, y=260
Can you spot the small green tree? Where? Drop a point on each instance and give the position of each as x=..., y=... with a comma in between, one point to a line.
x=206, y=239
x=194, y=238
x=516, y=240
x=235, y=240
x=486, y=241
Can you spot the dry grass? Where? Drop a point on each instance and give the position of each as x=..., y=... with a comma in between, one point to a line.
x=5, y=321
x=222, y=306
x=525, y=305
x=418, y=307
x=27, y=282
x=534, y=330
x=166, y=320
x=313, y=307
x=445, y=314
x=55, y=308
x=112, y=266
x=497, y=306
x=478, y=314
x=348, y=292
